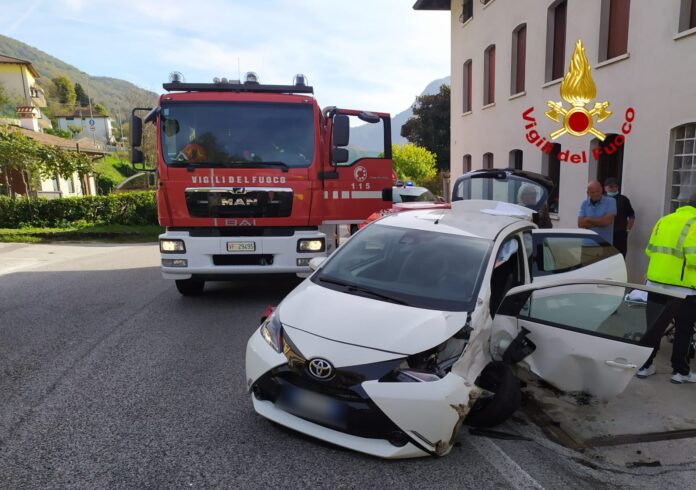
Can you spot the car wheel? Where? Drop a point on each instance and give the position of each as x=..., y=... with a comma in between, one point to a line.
x=190, y=287
x=496, y=377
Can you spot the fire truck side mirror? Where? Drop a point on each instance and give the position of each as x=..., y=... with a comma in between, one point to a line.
x=137, y=156
x=136, y=131
x=387, y=194
x=341, y=130
x=339, y=155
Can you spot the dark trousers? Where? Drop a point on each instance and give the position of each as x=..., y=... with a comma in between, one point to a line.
x=684, y=320
x=621, y=241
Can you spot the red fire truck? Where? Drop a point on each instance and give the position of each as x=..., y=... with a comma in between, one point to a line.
x=256, y=179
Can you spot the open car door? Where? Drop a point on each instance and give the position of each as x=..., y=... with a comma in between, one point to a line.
x=574, y=254
x=582, y=335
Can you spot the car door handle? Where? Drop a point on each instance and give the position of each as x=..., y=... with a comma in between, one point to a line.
x=620, y=365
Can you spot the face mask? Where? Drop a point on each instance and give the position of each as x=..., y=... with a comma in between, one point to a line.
x=612, y=194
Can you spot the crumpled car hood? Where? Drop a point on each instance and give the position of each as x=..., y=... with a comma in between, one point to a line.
x=367, y=322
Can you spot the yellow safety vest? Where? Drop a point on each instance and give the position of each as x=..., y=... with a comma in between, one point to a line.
x=672, y=249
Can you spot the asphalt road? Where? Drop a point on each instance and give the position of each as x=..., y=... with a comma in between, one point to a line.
x=110, y=379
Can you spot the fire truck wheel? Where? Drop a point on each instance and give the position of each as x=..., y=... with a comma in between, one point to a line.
x=190, y=287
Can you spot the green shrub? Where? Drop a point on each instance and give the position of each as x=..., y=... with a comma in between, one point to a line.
x=133, y=208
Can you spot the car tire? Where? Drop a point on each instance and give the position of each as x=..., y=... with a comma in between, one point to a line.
x=190, y=287
x=496, y=377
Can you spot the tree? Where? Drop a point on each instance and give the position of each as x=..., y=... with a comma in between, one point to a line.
x=429, y=127
x=100, y=109
x=413, y=162
x=17, y=156
x=65, y=91
x=3, y=96
x=81, y=95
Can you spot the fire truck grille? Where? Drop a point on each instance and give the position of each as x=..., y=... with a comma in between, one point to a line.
x=239, y=202
x=246, y=259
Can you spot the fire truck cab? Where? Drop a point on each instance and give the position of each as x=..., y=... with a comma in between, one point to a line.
x=255, y=179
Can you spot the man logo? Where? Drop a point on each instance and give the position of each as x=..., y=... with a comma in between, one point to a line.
x=320, y=368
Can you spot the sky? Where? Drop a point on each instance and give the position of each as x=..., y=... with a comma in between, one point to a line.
x=359, y=54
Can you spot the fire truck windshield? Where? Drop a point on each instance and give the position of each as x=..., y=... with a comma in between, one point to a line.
x=237, y=134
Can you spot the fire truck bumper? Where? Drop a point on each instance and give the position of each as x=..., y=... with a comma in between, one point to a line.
x=213, y=257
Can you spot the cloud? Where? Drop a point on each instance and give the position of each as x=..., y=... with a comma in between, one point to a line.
x=361, y=54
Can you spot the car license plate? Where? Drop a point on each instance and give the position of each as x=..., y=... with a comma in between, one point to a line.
x=241, y=246
x=311, y=405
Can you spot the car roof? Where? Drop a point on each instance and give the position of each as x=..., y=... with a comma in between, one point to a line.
x=474, y=218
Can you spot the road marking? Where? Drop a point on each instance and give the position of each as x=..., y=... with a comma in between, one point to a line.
x=506, y=466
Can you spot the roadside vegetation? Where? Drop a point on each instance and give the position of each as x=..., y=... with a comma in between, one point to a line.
x=117, y=217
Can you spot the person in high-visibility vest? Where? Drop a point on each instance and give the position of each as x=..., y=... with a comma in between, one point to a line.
x=672, y=252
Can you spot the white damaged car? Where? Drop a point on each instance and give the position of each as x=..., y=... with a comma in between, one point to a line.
x=412, y=328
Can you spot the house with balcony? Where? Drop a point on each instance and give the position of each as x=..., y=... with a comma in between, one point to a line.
x=18, y=78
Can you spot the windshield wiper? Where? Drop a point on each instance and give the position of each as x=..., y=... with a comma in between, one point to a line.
x=354, y=288
x=284, y=167
x=375, y=294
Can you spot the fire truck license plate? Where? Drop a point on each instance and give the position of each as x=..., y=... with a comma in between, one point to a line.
x=241, y=246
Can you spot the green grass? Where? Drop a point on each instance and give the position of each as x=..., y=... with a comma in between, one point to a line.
x=104, y=233
x=115, y=167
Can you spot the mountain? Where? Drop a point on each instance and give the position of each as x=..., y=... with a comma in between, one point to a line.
x=118, y=96
x=369, y=136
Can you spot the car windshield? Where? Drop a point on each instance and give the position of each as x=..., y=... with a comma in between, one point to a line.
x=413, y=194
x=418, y=268
x=237, y=134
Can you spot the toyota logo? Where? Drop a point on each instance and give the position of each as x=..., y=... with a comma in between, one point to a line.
x=320, y=368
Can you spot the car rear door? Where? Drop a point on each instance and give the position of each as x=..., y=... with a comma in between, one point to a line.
x=581, y=335
x=574, y=254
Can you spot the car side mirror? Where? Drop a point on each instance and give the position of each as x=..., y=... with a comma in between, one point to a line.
x=387, y=194
x=137, y=156
x=316, y=262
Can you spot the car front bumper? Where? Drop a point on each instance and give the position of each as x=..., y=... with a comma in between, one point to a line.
x=384, y=419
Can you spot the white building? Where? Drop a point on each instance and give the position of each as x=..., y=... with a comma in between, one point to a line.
x=511, y=55
x=92, y=125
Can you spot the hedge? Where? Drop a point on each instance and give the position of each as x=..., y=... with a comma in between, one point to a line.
x=133, y=208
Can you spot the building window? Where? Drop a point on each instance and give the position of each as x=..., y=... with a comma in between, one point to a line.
x=687, y=15
x=488, y=160
x=467, y=86
x=555, y=40
x=467, y=11
x=516, y=159
x=466, y=164
x=613, y=37
x=607, y=160
x=683, y=165
x=519, y=50
x=71, y=185
x=489, y=75
x=54, y=183
x=551, y=167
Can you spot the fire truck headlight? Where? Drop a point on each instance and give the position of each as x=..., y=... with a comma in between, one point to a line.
x=168, y=246
x=311, y=245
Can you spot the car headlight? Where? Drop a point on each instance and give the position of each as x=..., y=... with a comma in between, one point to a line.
x=311, y=245
x=169, y=246
x=272, y=332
